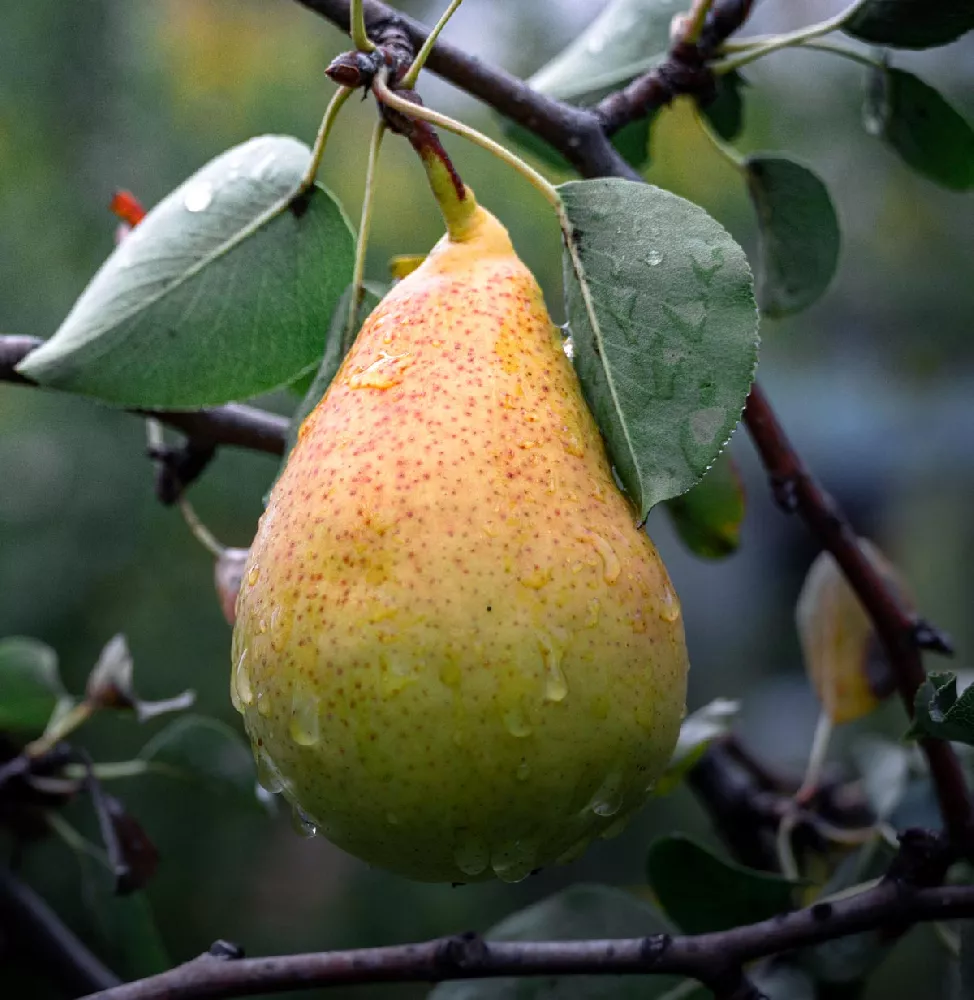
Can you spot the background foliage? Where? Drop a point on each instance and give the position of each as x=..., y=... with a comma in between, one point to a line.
x=874, y=383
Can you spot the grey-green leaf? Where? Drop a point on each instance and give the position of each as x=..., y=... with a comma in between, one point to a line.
x=798, y=233
x=917, y=121
x=701, y=891
x=30, y=685
x=665, y=330
x=697, y=732
x=911, y=24
x=222, y=292
x=627, y=38
x=203, y=750
x=578, y=913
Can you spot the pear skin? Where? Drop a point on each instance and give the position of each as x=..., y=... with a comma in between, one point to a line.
x=455, y=653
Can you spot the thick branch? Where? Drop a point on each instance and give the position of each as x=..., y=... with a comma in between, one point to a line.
x=707, y=957
x=234, y=425
x=797, y=490
x=38, y=930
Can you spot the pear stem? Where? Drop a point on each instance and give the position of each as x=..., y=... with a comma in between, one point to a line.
x=365, y=223
x=321, y=140
x=409, y=80
x=360, y=37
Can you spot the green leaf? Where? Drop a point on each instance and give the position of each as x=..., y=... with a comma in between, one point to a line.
x=913, y=118
x=627, y=38
x=911, y=24
x=708, y=518
x=222, y=292
x=665, y=330
x=204, y=751
x=579, y=913
x=702, y=892
x=799, y=233
x=939, y=712
x=30, y=685
x=726, y=112
x=697, y=732
x=778, y=979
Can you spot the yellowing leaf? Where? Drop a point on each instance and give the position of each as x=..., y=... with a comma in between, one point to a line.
x=843, y=658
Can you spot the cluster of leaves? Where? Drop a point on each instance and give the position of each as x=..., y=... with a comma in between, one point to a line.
x=41, y=773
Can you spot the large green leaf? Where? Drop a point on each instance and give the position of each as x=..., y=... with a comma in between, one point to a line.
x=627, y=38
x=798, y=233
x=222, y=292
x=204, y=751
x=661, y=307
x=702, y=892
x=930, y=135
x=708, y=517
x=911, y=24
x=578, y=913
x=30, y=685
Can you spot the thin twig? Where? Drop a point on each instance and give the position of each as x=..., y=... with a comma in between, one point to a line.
x=39, y=931
x=704, y=957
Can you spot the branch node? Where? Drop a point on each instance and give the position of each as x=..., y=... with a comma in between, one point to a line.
x=226, y=950
x=652, y=949
x=462, y=951
x=927, y=636
x=784, y=489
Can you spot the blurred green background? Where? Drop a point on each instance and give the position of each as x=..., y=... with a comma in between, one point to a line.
x=875, y=383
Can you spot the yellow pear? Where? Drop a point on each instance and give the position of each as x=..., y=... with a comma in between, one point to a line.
x=455, y=652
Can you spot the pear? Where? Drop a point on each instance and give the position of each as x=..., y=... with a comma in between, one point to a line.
x=455, y=652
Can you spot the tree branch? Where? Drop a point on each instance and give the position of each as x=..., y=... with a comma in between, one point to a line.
x=706, y=957
x=797, y=491
x=234, y=425
x=38, y=930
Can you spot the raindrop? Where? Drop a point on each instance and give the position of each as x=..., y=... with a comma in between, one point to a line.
x=471, y=855
x=654, y=257
x=268, y=776
x=516, y=724
x=253, y=575
x=303, y=824
x=515, y=860
x=241, y=682
x=607, y=801
x=198, y=196
x=523, y=771
x=305, y=726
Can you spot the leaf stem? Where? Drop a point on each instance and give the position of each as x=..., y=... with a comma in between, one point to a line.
x=62, y=726
x=321, y=140
x=411, y=110
x=356, y=17
x=753, y=49
x=362, y=242
x=409, y=80
x=695, y=20
x=731, y=155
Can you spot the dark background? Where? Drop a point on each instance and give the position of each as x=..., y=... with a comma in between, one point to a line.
x=874, y=383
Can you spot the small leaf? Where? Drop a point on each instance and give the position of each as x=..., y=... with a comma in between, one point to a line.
x=726, y=112
x=939, y=712
x=843, y=657
x=30, y=685
x=798, y=233
x=697, y=732
x=132, y=856
x=110, y=685
x=578, y=913
x=885, y=770
x=708, y=517
x=702, y=892
x=627, y=38
x=911, y=24
x=930, y=135
x=205, y=751
x=665, y=331
x=222, y=292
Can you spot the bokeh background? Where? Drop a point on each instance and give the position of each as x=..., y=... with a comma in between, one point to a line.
x=875, y=383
